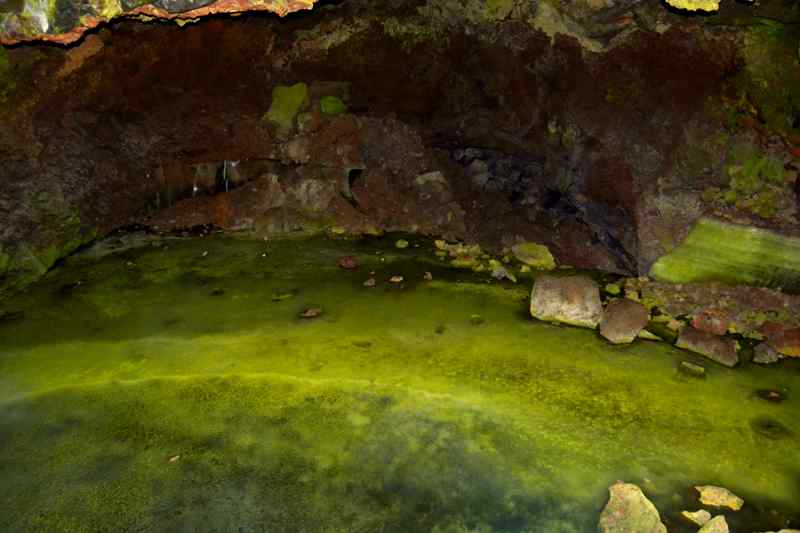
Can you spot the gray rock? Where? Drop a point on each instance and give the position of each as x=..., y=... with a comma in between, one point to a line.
x=715, y=525
x=764, y=354
x=623, y=320
x=571, y=300
x=723, y=350
x=629, y=511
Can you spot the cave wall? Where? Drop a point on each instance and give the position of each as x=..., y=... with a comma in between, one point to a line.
x=602, y=129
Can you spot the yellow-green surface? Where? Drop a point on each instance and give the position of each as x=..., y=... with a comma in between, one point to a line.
x=396, y=410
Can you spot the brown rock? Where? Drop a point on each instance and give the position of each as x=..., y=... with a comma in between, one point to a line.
x=723, y=350
x=785, y=340
x=714, y=496
x=311, y=312
x=712, y=320
x=370, y=282
x=764, y=354
x=623, y=320
x=348, y=262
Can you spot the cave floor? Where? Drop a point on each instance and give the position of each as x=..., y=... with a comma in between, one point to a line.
x=173, y=387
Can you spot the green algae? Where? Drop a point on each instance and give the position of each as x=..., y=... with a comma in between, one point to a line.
x=286, y=104
x=716, y=250
x=332, y=105
x=394, y=411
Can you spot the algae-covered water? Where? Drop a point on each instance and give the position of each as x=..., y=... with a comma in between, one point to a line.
x=173, y=387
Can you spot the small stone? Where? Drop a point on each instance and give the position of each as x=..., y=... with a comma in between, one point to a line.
x=723, y=350
x=402, y=244
x=370, y=282
x=770, y=395
x=699, y=518
x=476, y=320
x=440, y=244
x=427, y=276
x=534, y=255
x=311, y=312
x=396, y=279
x=715, y=525
x=571, y=300
x=691, y=369
x=629, y=511
x=623, y=320
x=764, y=354
x=500, y=272
x=719, y=497
x=348, y=262
x=174, y=458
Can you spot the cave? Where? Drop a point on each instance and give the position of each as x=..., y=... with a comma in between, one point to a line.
x=411, y=266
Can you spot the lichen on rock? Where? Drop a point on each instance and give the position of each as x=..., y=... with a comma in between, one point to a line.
x=286, y=104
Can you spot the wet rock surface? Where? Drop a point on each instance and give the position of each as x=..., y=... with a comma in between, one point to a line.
x=573, y=300
x=623, y=320
x=719, y=349
x=629, y=511
x=718, y=524
x=714, y=496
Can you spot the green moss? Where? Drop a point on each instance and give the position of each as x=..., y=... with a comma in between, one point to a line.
x=410, y=33
x=286, y=104
x=715, y=250
x=209, y=406
x=332, y=105
x=535, y=255
x=498, y=9
x=755, y=180
x=771, y=78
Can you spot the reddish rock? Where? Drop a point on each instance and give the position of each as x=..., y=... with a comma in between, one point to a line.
x=784, y=340
x=723, y=350
x=623, y=320
x=348, y=262
x=712, y=320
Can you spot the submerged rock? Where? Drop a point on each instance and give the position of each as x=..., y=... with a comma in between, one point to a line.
x=714, y=496
x=720, y=349
x=348, y=262
x=623, y=320
x=311, y=312
x=535, y=255
x=764, y=354
x=571, y=300
x=401, y=244
x=629, y=511
x=699, y=518
x=718, y=524
x=691, y=369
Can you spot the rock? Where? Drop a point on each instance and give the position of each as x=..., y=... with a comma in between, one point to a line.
x=629, y=511
x=691, y=369
x=699, y=518
x=571, y=300
x=311, y=312
x=764, y=354
x=623, y=320
x=712, y=320
x=715, y=525
x=720, y=349
x=500, y=272
x=348, y=262
x=427, y=276
x=370, y=282
x=396, y=279
x=784, y=340
x=613, y=289
x=535, y=255
x=719, y=497
x=402, y=244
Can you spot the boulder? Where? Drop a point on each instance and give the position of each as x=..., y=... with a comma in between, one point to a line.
x=629, y=511
x=784, y=340
x=623, y=320
x=571, y=300
x=723, y=350
x=715, y=525
x=714, y=496
x=698, y=518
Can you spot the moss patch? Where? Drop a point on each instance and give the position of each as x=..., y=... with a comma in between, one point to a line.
x=332, y=105
x=715, y=250
x=286, y=104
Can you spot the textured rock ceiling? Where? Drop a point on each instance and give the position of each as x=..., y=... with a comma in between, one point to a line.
x=65, y=21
